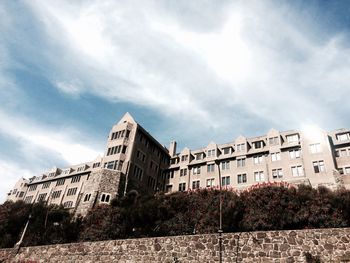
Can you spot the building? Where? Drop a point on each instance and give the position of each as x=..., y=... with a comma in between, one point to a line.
x=313, y=157
x=133, y=159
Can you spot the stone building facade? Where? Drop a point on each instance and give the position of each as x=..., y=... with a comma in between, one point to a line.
x=133, y=159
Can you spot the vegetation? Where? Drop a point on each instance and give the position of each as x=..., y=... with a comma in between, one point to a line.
x=182, y=213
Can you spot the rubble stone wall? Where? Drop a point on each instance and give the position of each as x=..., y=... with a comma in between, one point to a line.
x=330, y=245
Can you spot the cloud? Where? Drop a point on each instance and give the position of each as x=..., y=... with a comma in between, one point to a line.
x=73, y=87
x=10, y=174
x=38, y=139
x=240, y=62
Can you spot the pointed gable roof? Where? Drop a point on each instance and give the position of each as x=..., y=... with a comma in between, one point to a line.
x=127, y=118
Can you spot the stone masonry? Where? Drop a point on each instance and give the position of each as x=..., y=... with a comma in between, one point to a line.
x=101, y=181
x=330, y=245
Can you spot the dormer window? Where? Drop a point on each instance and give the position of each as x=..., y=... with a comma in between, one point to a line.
x=274, y=140
x=199, y=156
x=240, y=147
x=52, y=174
x=184, y=158
x=258, y=144
x=66, y=171
x=343, y=137
x=292, y=138
x=81, y=168
x=227, y=150
x=211, y=153
x=173, y=161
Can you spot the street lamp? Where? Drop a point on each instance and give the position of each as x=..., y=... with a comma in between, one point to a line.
x=220, y=231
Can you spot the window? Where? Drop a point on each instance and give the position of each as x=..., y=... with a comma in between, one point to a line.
x=257, y=159
x=315, y=148
x=342, y=153
x=293, y=154
x=138, y=172
x=75, y=179
x=210, y=168
x=32, y=187
x=28, y=199
x=52, y=174
x=173, y=160
x=259, y=176
x=124, y=149
x=66, y=171
x=318, y=166
x=197, y=170
x=105, y=198
x=120, y=165
x=183, y=172
x=168, y=188
x=184, y=158
x=241, y=162
x=95, y=165
x=225, y=165
x=277, y=173
x=195, y=184
x=81, y=168
x=56, y=194
x=347, y=170
x=42, y=197
x=72, y=191
x=226, y=180
x=60, y=182
x=210, y=182
x=68, y=204
x=227, y=150
x=21, y=194
x=297, y=170
x=275, y=157
x=211, y=153
x=343, y=137
x=46, y=185
x=274, y=140
x=241, y=178
x=170, y=174
x=240, y=147
x=141, y=156
x=293, y=138
x=182, y=187
x=199, y=156
x=87, y=197
x=127, y=134
x=111, y=165
x=258, y=144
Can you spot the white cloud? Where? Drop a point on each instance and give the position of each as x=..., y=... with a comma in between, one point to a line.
x=38, y=138
x=10, y=174
x=73, y=87
x=247, y=64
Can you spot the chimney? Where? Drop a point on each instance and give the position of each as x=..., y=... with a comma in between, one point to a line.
x=172, y=148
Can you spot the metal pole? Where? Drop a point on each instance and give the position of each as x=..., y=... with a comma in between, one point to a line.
x=220, y=212
x=18, y=244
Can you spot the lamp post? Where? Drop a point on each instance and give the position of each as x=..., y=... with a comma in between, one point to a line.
x=220, y=231
x=19, y=243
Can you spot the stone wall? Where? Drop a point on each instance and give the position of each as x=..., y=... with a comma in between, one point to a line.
x=100, y=181
x=330, y=245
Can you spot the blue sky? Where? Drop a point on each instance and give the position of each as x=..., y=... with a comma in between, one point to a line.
x=194, y=71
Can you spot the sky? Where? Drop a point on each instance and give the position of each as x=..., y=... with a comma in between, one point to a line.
x=190, y=71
